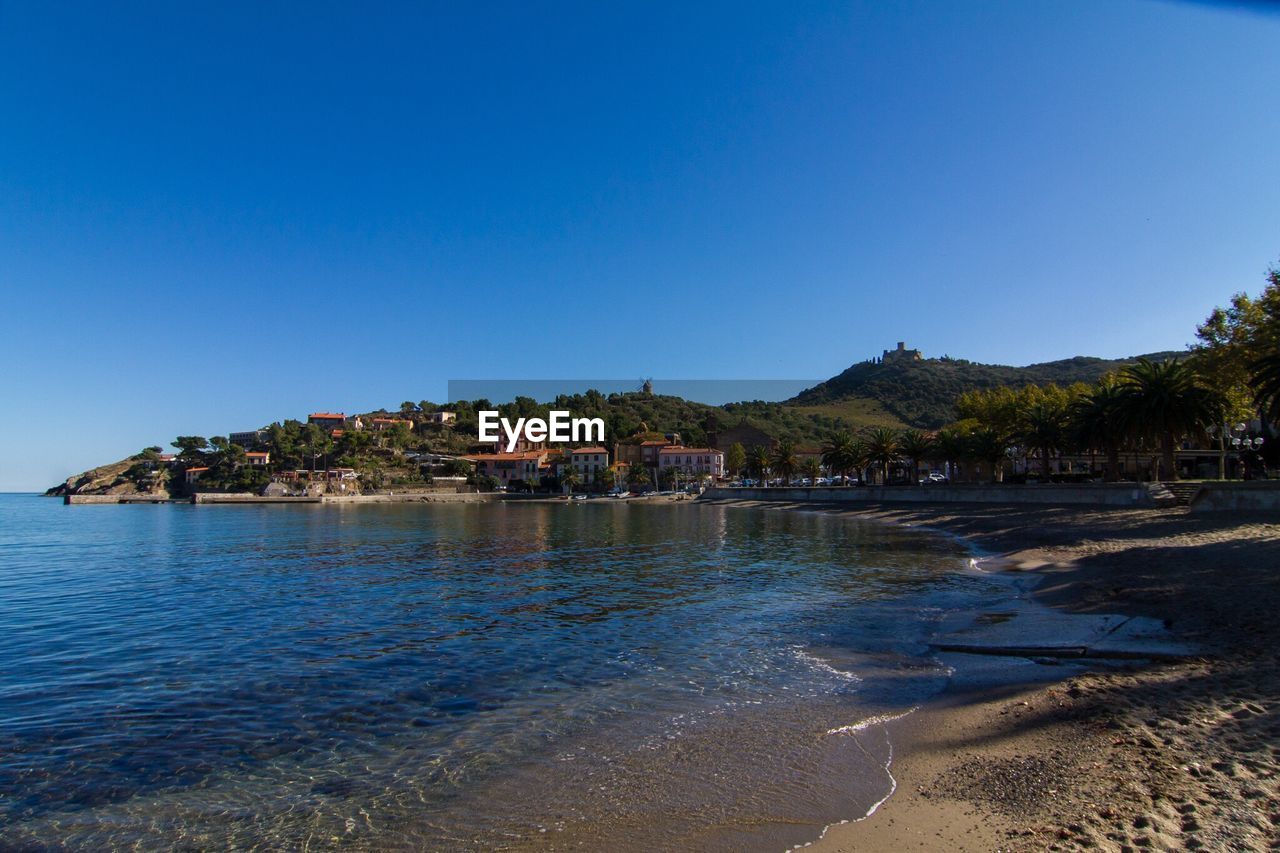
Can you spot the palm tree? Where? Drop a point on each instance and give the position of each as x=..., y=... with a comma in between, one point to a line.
x=1264, y=378
x=1044, y=427
x=1094, y=422
x=839, y=454
x=570, y=478
x=784, y=460
x=811, y=468
x=1164, y=401
x=987, y=445
x=915, y=445
x=758, y=459
x=950, y=446
x=882, y=449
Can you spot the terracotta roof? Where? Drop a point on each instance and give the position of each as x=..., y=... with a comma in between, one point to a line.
x=651, y=443
x=190, y=470
x=684, y=450
x=328, y=415
x=589, y=450
x=257, y=453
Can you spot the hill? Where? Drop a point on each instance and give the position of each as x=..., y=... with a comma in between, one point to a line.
x=922, y=393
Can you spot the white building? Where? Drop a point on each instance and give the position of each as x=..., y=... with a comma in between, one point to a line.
x=691, y=461
x=589, y=462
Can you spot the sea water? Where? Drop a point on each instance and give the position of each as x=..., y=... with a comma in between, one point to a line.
x=440, y=676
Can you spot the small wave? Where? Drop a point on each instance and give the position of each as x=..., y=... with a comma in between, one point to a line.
x=863, y=725
x=819, y=664
x=888, y=769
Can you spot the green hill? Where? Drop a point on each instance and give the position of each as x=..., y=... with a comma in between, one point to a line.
x=922, y=393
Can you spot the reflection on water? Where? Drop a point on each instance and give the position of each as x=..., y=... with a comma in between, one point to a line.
x=445, y=676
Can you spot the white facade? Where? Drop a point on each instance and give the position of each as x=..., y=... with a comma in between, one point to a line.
x=692, y=460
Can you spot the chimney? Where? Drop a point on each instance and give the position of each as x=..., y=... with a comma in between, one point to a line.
x=902, y=346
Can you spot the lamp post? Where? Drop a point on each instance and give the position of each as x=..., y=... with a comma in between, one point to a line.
x=1244, y=444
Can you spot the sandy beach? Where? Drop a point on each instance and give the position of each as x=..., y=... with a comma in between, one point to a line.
x=1164, y=756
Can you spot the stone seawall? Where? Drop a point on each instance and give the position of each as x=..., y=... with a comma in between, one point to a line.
x=1065, y=494
x=1238, y=497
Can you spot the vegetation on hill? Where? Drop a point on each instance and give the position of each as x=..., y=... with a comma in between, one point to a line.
x=923, y=393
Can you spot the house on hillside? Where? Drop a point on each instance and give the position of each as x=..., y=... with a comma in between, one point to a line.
x=328, y=420
x=257, y=459
x=248, y=439
x=384, y=424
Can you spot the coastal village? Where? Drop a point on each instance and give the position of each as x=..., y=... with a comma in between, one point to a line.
x=1036, y=434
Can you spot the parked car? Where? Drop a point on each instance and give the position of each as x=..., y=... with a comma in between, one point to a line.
x=933, y=478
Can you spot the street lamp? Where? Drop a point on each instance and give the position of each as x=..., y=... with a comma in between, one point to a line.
x=1244, y=444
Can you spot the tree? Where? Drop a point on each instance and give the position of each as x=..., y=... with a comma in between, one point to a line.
x=989, y=446
x=951, y=445
x=408, y=407
x=1044, y=426
x=915, y=445
x=995, y=408
x=637, y=475
x=811, y=468
x=840, y=454
x=191, y=448
x=457, y=467
x=784, y=460
x=569, y=477
x=607, y=478
x=758, y=459
x=1094, y=421
x=1164, y=401
x=735, y=458
x=882, y=449
x=1265, y=379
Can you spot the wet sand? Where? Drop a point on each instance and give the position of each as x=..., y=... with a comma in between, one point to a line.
x=1165, y=756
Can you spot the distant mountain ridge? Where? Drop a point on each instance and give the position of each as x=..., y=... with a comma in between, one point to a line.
x=922, y=393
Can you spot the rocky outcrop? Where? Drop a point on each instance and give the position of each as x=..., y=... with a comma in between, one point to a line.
x=132, y=476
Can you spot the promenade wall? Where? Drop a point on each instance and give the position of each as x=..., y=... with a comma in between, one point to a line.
x=1258, y=496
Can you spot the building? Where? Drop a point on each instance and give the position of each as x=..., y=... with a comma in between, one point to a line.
x=257, y=460
x=589, y=462
x=692, y=461
x=649, y=451
x=328, y=420
x=440, y=418
x=248, y=439
x=901, y=354
x=384, y=424
x=193, y=474
x=507, y=467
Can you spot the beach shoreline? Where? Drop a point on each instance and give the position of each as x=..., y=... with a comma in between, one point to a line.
x=1155, y=755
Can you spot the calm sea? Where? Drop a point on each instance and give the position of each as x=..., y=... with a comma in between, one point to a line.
x=456, y=676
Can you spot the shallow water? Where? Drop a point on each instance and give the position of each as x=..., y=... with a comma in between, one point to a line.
x=445, y=676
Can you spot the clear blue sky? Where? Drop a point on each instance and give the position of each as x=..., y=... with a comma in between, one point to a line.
x=213, y=216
